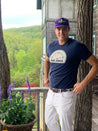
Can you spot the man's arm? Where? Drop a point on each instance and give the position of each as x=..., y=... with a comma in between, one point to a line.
x=46, y=71
x=93, y=61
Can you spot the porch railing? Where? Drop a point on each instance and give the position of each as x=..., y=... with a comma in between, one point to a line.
x=41, y=95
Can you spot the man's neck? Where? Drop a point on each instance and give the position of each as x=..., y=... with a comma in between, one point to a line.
x=63, y=42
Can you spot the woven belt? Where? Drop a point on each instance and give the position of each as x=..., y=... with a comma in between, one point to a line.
x=60, y=90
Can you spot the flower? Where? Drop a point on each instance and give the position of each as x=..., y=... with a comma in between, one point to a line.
x=16, y=110
x=28, y=84
x=0, y=93
x=9, y=89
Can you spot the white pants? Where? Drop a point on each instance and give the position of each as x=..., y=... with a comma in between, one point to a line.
x=59, y=106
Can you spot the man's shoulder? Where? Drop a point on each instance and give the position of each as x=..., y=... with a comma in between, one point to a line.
x=53, y=43
x=75, y=42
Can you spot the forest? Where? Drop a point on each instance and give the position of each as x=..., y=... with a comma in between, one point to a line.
x=24, y=48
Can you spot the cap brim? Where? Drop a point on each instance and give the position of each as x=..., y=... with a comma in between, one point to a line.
x=61, y=26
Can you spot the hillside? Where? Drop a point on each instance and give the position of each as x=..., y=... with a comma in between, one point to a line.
x=24, y=47
x=31, y=32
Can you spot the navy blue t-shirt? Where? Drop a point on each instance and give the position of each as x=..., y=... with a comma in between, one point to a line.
x=64, y=62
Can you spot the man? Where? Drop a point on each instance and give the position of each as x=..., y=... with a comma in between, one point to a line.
x=62, y=60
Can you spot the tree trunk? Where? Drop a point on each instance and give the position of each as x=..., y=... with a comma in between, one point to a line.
x=4, y=63
x=83, y=114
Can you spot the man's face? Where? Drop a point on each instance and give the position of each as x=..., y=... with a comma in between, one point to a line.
x=62, y=33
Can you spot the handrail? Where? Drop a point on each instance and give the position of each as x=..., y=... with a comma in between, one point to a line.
x=33, y=89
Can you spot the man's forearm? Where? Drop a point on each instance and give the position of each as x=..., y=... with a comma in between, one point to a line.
x=46, y=72
x=46, y=68
x=91, y=75
x=94, y=70
x=78, y=87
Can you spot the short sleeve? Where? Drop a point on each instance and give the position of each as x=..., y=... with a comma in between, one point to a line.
x=84, y=52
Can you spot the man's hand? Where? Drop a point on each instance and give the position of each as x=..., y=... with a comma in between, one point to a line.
x=78, y=88
x=47, y=82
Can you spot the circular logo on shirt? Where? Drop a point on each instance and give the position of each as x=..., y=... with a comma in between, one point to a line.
x=58, y=56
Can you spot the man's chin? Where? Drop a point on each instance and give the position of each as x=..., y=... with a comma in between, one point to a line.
x=62, y=39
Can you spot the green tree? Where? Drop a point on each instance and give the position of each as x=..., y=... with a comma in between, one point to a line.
x=24, y=47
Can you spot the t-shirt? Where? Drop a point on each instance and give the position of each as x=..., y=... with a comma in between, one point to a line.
x=64, y=62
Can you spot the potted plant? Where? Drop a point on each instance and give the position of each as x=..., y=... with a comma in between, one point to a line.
x=17, y=114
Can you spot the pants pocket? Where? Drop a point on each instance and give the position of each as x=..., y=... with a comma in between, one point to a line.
x=68, y=94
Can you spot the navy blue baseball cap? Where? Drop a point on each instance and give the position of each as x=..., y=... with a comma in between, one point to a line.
x=61, y=22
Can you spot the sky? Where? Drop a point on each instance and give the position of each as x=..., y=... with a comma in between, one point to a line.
x=20, y=13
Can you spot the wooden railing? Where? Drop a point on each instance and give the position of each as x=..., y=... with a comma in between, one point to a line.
x=41, y=95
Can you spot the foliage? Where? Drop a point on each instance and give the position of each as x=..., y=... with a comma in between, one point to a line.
x=17, y=110
x=24, y=47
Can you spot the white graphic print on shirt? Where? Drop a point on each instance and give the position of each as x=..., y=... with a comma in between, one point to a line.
x=58, y=56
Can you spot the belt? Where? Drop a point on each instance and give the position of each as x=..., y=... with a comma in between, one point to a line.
x=60, y=90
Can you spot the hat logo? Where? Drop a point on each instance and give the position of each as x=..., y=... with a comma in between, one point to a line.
x=61, y=21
